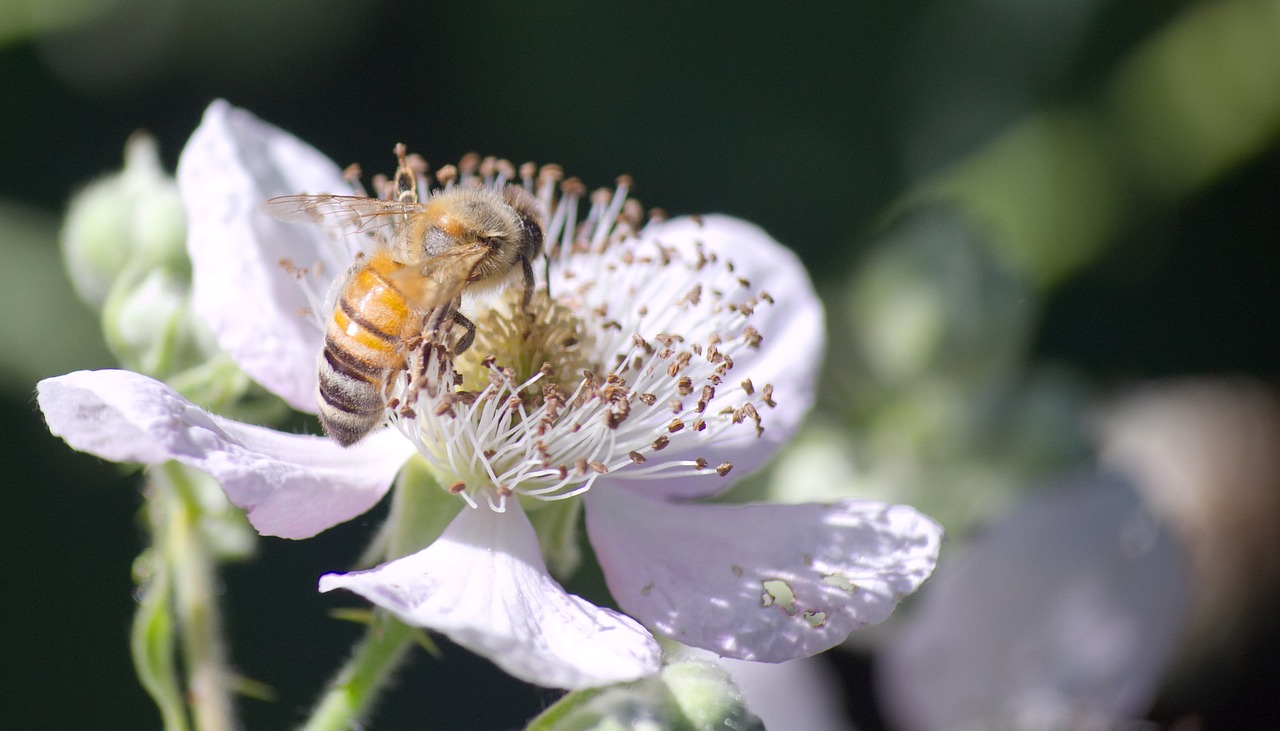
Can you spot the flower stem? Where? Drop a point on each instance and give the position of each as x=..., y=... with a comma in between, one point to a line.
x=351, y=695
x=419, y=512
x=188, y=560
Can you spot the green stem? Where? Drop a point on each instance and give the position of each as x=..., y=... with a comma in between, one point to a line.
x=419, y=512
x=209, y=681
x=352, y=694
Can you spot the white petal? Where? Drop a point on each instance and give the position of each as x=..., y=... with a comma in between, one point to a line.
x=788, y=357
x=759, y=582
x=255, y=307
x=292, y=486
x=483, y=583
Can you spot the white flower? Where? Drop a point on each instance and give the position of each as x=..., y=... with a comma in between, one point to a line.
x=677, y=352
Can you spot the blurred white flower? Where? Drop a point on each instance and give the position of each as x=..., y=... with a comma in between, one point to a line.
x=1064, y=615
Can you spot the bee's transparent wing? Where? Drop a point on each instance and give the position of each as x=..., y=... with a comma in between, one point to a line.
x=342, y=214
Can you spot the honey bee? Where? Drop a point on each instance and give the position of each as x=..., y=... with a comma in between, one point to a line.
x=425, y=254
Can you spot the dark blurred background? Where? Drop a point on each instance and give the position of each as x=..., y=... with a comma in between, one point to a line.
x=822, y=122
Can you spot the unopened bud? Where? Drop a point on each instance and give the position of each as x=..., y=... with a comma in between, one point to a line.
x=130, y=219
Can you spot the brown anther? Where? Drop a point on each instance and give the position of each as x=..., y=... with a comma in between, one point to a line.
x=700, y=464
x=768, y=395
x=504, y=491
x=513, y=402
x=685, y=385
x=564, y=472
x=598, y=468
x=746, y=284
x=457, y=487
x=751, y=336
x=648, y=399
x=488, y=361
x=660, y=443
x=723, y=468
x=447, y=174
x=352, y=174
x=766, y=296
x=675, y=426
x=699, y=424
x=617, y=413
x=748, y=387
x=417, y=163
x=675, y=406
x=551, y=172
x=488, y=453
x=527, y=170
x=581, y=466
x=636, y=457
x=632, y=213
x=393, y=404
x=680, y=362
x=692, y=297
x=547, y=371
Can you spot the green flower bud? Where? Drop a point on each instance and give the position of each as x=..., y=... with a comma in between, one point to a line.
x=149, y=325
x=133, y=218
x=687, y=695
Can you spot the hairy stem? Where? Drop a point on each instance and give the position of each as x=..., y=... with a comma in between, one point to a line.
x=194, y=600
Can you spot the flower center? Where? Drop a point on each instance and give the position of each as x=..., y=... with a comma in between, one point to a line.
x=547, y=338
x=628, y=352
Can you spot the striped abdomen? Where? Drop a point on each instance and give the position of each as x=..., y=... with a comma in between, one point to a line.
x=362, y=350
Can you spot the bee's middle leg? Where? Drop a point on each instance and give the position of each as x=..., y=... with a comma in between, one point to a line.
x=468, y=337
x=528, y=282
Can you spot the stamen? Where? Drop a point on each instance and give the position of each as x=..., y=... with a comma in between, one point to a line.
x=554, y=394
